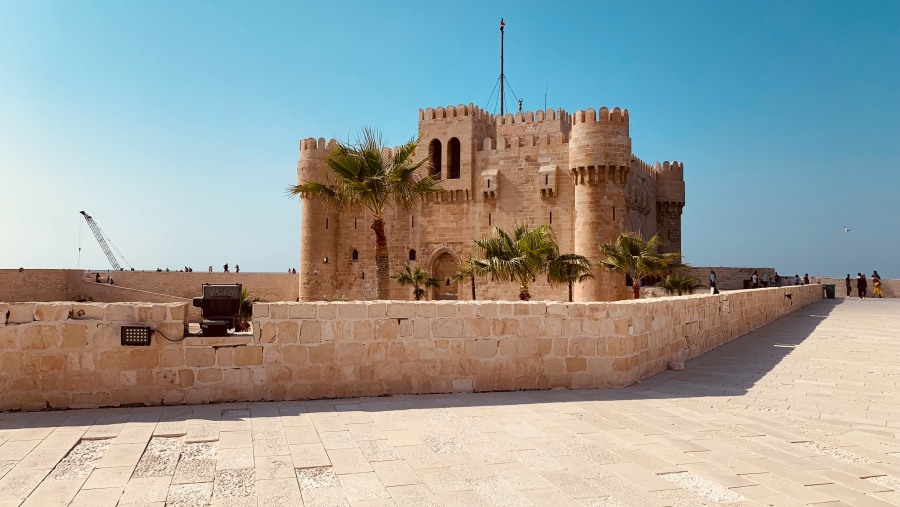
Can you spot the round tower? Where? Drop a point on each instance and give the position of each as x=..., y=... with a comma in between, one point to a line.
x=599, y=161
x=318, y=227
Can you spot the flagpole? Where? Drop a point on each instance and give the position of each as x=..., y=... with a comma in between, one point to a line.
x=502, y=84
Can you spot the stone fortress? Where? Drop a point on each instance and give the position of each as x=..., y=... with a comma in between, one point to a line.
x=575, y=172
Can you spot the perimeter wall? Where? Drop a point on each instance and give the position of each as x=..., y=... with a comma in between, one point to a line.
x=68, y=355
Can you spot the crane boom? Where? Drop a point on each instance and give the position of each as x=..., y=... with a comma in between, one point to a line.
x=99, y=235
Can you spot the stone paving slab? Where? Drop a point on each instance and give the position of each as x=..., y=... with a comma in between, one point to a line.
x=805, y=411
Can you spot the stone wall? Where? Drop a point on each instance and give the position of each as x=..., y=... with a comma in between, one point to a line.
x=32, y=285
x=148, y=286
x=68, y=355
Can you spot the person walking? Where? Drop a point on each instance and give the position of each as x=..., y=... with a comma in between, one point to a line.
x=861, y=285
x=237, y=268
x=765, y=280
x=805, y=278
x=225, y=268
x=849, y=288
x=777, y=279
x=712, y=283
x=754, y=280
x=876, y=283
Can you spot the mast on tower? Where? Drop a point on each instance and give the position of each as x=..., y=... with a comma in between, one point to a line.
x=502, y=82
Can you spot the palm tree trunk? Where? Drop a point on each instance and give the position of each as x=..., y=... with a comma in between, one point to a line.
x=571, y=293
x=473, y=288
x=636, y=287
x=382, y=266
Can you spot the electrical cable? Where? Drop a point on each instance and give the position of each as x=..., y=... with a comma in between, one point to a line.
x=171, y=340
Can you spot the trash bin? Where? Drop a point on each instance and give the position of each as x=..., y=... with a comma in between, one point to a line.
x=829, y=290
x=747, y=284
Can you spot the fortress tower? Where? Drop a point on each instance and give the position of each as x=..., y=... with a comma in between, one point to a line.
x=599, y=161
x=318, y=249
x=575, y=172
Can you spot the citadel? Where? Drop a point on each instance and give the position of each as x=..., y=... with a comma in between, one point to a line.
x=574, y=171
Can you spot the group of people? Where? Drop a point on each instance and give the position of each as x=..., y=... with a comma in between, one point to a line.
x=292, y=271
x=109, y=279
x=862, y=285
x=237, y=268
x=757, y=281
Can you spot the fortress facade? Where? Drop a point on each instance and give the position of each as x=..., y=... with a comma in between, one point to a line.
x=575, y=172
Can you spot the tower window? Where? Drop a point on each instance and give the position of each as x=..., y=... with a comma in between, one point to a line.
x=326, y=224
x=490, y=222
x=354, y=223
x=546, y=179
x=412, y=221
x=614, y=213
x=412, y=254
x=453, y=159
x=354, y=257
x=551, y=217
x=434, y=153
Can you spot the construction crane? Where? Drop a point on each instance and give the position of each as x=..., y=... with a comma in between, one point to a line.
x=101, y=238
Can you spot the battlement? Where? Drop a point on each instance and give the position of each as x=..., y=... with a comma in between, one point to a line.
x=441, y=113
x=640, y=168
x=670, y=170
x=605, y=116
x=316, y=144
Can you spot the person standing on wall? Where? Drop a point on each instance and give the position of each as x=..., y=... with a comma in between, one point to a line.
x=849, y=287
x=805, y=278
x=796, y=279
x=237, y=268
x=861, y=285
x=754, y=280
x=777, y=279
x=765, y=280
x=712, y=283
x=225, y=268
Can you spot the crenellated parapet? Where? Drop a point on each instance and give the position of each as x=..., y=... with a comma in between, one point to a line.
x=642, y=169
x=589, y=115
x=670, y=182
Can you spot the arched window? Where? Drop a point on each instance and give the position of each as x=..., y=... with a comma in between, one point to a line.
x=434, y=153
x=354, y=256
x=412, y=254
x=453, y=159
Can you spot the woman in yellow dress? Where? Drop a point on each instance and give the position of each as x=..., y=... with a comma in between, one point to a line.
x=877, y=284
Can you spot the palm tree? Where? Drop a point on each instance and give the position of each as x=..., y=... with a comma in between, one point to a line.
x=679, y=284
x=469, y=269
x=637, y=258
x=569, y=269
x=416, y=277
x=518, y=257
x=366, y=174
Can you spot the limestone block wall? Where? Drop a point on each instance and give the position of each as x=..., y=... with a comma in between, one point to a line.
x=32, y=285
x=269, y=286
x=68, y=355
x=146, y=286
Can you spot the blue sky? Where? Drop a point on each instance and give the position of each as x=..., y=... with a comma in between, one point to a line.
x=175, y=124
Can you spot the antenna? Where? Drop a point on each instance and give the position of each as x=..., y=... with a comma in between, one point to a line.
x=545, y=95
x=502, y=84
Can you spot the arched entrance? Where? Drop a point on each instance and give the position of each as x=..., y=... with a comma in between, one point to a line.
x=443, y=268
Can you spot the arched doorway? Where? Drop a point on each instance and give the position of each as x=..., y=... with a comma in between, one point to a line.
x=443, y=268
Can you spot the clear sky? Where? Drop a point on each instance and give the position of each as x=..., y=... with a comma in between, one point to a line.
x=176, y=124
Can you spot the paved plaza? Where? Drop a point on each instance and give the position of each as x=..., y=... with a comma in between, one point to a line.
x=805, y=411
